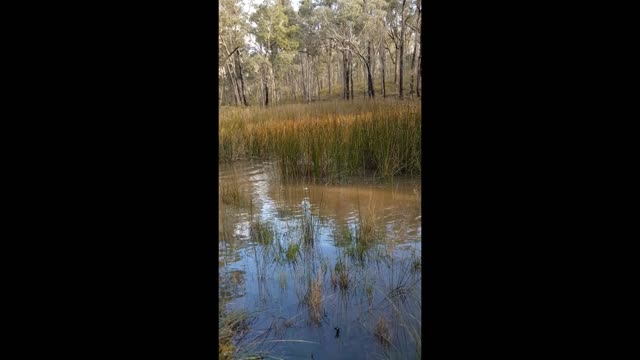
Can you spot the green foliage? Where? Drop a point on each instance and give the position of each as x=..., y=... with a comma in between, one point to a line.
x=293, y=250
x=272, y=29
x=262, y=233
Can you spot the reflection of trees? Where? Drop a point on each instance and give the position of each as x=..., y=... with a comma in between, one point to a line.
x=346, y=201
x=231, y=284
x=228, y=252
x=229, y=245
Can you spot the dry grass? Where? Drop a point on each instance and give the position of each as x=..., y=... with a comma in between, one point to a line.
x=342, y=275
x=230, y=325
x=225, y=230
x=383, y=332
x=329, y=139
x=230, y=193
x=343, y=280
x=334, y=279
x=368, y=223
x=313, y=299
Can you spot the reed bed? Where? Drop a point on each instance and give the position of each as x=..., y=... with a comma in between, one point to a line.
x=328, y=139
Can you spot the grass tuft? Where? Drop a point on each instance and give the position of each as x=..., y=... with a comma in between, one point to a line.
x=382, y=332
x=262, y=233
x=293, y=250
x=342, y=275
x=313, y=299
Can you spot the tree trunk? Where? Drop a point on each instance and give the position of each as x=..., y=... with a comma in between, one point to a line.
x=383, y=55
x=260, y=86
x=419, y=40
x=294, y=84
x=234, y=85
x=274, y=92
x=373, y=65
x=232, y=73
x=221, y=88
x=419, y=76
x=243, y=97
x=345, y=76
x=318, y=85
x=309, y=80
x=413, y=66
x=401, y=62
x=370, y=90
x=351, y=72
x=303, y=79
x=395, y=67
x=267, y=81
x=365, y=89
x=336, y=73
x=329, y=68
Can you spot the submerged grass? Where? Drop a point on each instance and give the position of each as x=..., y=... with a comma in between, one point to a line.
x=313, y=299
x=382, y=332
x=230, y=193
x=341, y=275
x=262, y=233
x=358, y=242
x=328, y=139
x=293, y=249
x=308, y=228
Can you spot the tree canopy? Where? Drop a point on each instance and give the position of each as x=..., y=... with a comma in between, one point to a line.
x=272, y=53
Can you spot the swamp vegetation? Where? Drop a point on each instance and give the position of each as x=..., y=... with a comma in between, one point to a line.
x=320, y=166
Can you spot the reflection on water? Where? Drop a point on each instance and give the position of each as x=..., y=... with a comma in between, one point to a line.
x=326, y=271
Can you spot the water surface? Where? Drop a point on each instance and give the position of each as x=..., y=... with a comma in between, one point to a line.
x=364, y=231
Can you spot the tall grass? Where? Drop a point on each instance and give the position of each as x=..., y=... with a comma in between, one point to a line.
x=329, y=139
x=231, y=325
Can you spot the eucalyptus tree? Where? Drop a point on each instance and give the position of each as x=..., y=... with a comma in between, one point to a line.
x=309, y=46
x=232, y=29
x=414, y=22
x=403, y=26
x=274, y=38
x=373, y=13
x=343, y=26
x=281, y=52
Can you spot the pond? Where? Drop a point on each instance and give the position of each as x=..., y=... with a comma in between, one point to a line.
x=309, y=270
